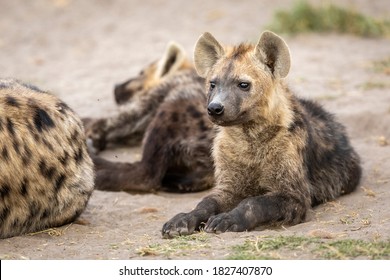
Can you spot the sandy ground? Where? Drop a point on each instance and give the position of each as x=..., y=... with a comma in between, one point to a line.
x=80, y=49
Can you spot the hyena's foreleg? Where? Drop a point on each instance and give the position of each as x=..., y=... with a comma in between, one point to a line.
x=211, y=215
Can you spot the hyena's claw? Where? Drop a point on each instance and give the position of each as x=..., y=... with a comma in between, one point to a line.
x=181, y=224
x=224, y=222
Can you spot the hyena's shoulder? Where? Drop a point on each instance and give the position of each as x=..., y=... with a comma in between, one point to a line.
x=46, y=174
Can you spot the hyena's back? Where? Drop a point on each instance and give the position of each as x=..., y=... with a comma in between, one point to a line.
x=331, y=164
x=46, y=174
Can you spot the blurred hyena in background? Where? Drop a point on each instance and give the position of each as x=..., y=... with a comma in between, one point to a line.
x=164, y=107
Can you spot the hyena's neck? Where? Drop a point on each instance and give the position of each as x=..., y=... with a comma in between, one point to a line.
x=276, y=115
x=250, y=133
x=278, y=111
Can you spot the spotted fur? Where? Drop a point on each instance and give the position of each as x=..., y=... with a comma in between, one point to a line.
x=46, y=173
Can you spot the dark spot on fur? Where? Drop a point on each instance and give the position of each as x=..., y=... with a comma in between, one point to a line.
x=4, y=153
x=34, y=208
x=11, y=101
x=161, y=114
x=48, y=144
x=64, y=159
x=1, y=125
x=75, y=135
x=28, y=223
x=47, y=172
x=193, y=111
x=59, y=182
x=15, y=223
x=4, y=190
x=42, y=120
x=79, y=155
x=36, y=137
x=4, y=213
x=26, y=157
x=175, y=117
x=45, y=214
x=15, y=144
x=296, y=124
x=10, y=127
x=23, y=188
x=202, y=126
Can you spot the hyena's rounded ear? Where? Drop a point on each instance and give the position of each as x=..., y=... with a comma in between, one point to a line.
x=273, y=51
x=173, y=58
x=207, y=52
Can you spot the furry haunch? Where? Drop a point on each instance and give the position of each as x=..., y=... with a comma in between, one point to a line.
x=46, y=174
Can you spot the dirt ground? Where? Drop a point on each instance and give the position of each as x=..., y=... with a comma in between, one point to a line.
x=80, y=49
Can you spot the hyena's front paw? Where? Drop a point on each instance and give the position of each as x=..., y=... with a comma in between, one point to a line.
x=181, y=224
x=95, y=134
x=225, y=222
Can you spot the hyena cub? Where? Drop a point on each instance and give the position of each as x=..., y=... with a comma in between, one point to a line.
x=164, y=106
x=275, y=155
x=46, y=174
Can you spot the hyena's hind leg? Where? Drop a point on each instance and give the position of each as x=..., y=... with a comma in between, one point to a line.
x=175, y=157
x=142, y=176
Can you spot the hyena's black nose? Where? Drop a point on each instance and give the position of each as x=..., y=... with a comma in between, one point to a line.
x=215, y=109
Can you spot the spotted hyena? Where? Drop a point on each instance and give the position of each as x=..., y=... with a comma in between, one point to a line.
x=46, y=174
x=163, y=106
x=275, y=154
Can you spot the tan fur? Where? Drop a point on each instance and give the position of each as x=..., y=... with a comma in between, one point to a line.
x=46, y=174
x=275, y=154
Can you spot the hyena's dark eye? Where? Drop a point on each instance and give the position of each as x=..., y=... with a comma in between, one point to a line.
x=212, y=85
x=244, y=86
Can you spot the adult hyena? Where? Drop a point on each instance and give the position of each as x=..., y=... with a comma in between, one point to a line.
x=275, y=155
x=164, y=107
x=46, y=175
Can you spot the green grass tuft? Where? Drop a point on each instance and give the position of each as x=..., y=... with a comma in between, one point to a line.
x=304, y=17
x=290, y=247
x=269, y=247
x=351, y=249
